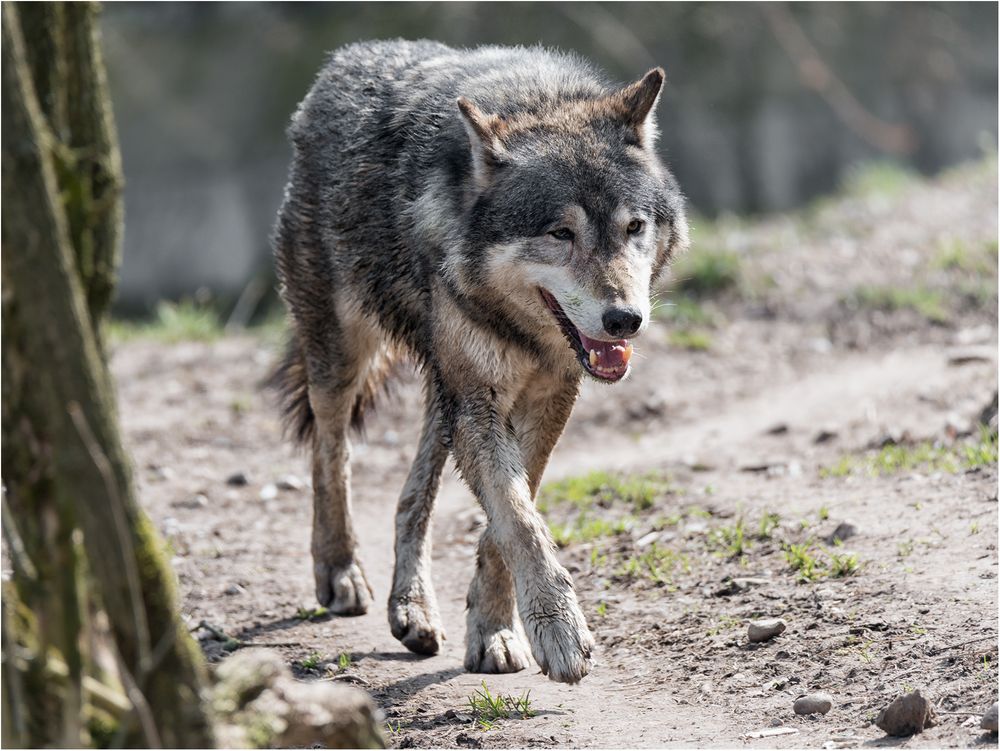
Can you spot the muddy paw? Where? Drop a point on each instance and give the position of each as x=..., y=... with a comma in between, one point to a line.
x=499, y=651
x=343, y=590
x=416, y=625
x=561, y=646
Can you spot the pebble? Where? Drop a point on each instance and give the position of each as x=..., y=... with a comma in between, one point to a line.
x=269, y=492
x=237, y=479
x=907, y=715
x=989, y=721
x=648, y=539
x=198, y=501
x=813, y=704
x=844, y=531
x=234, y=589
x=759, y=631
x=290, y=482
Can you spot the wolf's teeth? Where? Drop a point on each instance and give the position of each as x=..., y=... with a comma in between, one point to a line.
x=593, y=358
x=627, y=354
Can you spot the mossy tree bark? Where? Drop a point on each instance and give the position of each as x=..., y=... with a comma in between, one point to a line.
x=64, y=467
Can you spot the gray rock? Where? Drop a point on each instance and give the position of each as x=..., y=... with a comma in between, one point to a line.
x=844, y=531
x=237, y=480
x=907, y=715
x=759, y=631
x=989, y=721
x=819, y=703
x=260, y=705
x=290, y=482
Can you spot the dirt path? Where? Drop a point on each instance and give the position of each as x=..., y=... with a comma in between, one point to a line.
x=733, y=434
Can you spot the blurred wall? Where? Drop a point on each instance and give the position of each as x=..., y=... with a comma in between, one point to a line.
x=765, y=107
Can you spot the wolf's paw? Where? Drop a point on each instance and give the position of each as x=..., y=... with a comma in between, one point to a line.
x=416, y=625
x=496, y=651
x=343, y=590
x=560, y=641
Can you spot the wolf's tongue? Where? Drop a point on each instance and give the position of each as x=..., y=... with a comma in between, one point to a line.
x=607, y=355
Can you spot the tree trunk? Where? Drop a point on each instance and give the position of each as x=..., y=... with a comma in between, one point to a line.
x=63, y=463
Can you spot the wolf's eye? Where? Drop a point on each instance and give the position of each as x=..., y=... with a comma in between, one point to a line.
x=634, y=227
x=562, y=234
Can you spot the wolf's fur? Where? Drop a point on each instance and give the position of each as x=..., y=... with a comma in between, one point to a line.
x=433, y=194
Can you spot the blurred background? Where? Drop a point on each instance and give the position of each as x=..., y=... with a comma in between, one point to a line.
x=767, y=107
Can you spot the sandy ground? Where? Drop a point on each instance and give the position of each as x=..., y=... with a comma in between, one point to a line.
x=797, y=378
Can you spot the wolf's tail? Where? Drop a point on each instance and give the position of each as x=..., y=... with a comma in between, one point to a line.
x=291, y=382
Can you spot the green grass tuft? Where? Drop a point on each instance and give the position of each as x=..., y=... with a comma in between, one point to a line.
x=690, y=339
x=927, y=302
x=487, y=708
x=174, y=322
x=972, y=454
x=707, y=272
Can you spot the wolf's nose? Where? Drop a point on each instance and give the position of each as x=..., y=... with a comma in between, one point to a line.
x=621, y=322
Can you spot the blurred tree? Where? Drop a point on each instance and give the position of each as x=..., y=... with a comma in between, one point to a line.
x=64, y=469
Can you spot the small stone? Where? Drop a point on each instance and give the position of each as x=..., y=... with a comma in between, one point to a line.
x=759, y=631
x=234, y=589
x=237, y=480
x=199, y=500
x=907, y=715
x=844, y=531
x=647, y=539
x=269, y=492
x=813, y=704
x=825, y=436
x=989, y=721
x=290, y=482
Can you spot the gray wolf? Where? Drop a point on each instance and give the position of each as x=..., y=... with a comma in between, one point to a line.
x=498, y=215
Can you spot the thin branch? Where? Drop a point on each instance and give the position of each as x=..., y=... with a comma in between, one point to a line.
x=817, y=75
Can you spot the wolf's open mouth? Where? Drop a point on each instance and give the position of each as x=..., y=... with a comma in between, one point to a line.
x=605, y=361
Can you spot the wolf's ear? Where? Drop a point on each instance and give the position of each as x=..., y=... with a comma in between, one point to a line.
x=485, y=134
x=636, y=104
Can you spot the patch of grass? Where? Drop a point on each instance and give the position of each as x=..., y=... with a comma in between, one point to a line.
x=927, y=302
x=972, y=454
x=343, y=661
x=955, y=255
x=800, y=558
x=730, y=539
x=707, y=272
x=768, y=523
x=690, y=339
x=487, y=708
x=657, y=564
x=603, y=489
x=586, y=528
x=602, y=609
x=173, y=322
x=823, y=513
x=843, y=564
x=877, y=179
x=684, y=311
x=308, y=614
x=311, y=662
x=725, y=623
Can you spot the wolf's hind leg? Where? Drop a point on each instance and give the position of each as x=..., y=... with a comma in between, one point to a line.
x=413, y=612
x=334, y=384
x=494, y=641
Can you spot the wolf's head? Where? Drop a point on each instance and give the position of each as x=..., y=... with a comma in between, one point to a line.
x=572, y=216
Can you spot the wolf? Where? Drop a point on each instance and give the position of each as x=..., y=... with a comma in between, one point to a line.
x=498, y=215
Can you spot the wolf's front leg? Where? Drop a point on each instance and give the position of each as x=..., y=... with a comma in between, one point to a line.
x=489, y=457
